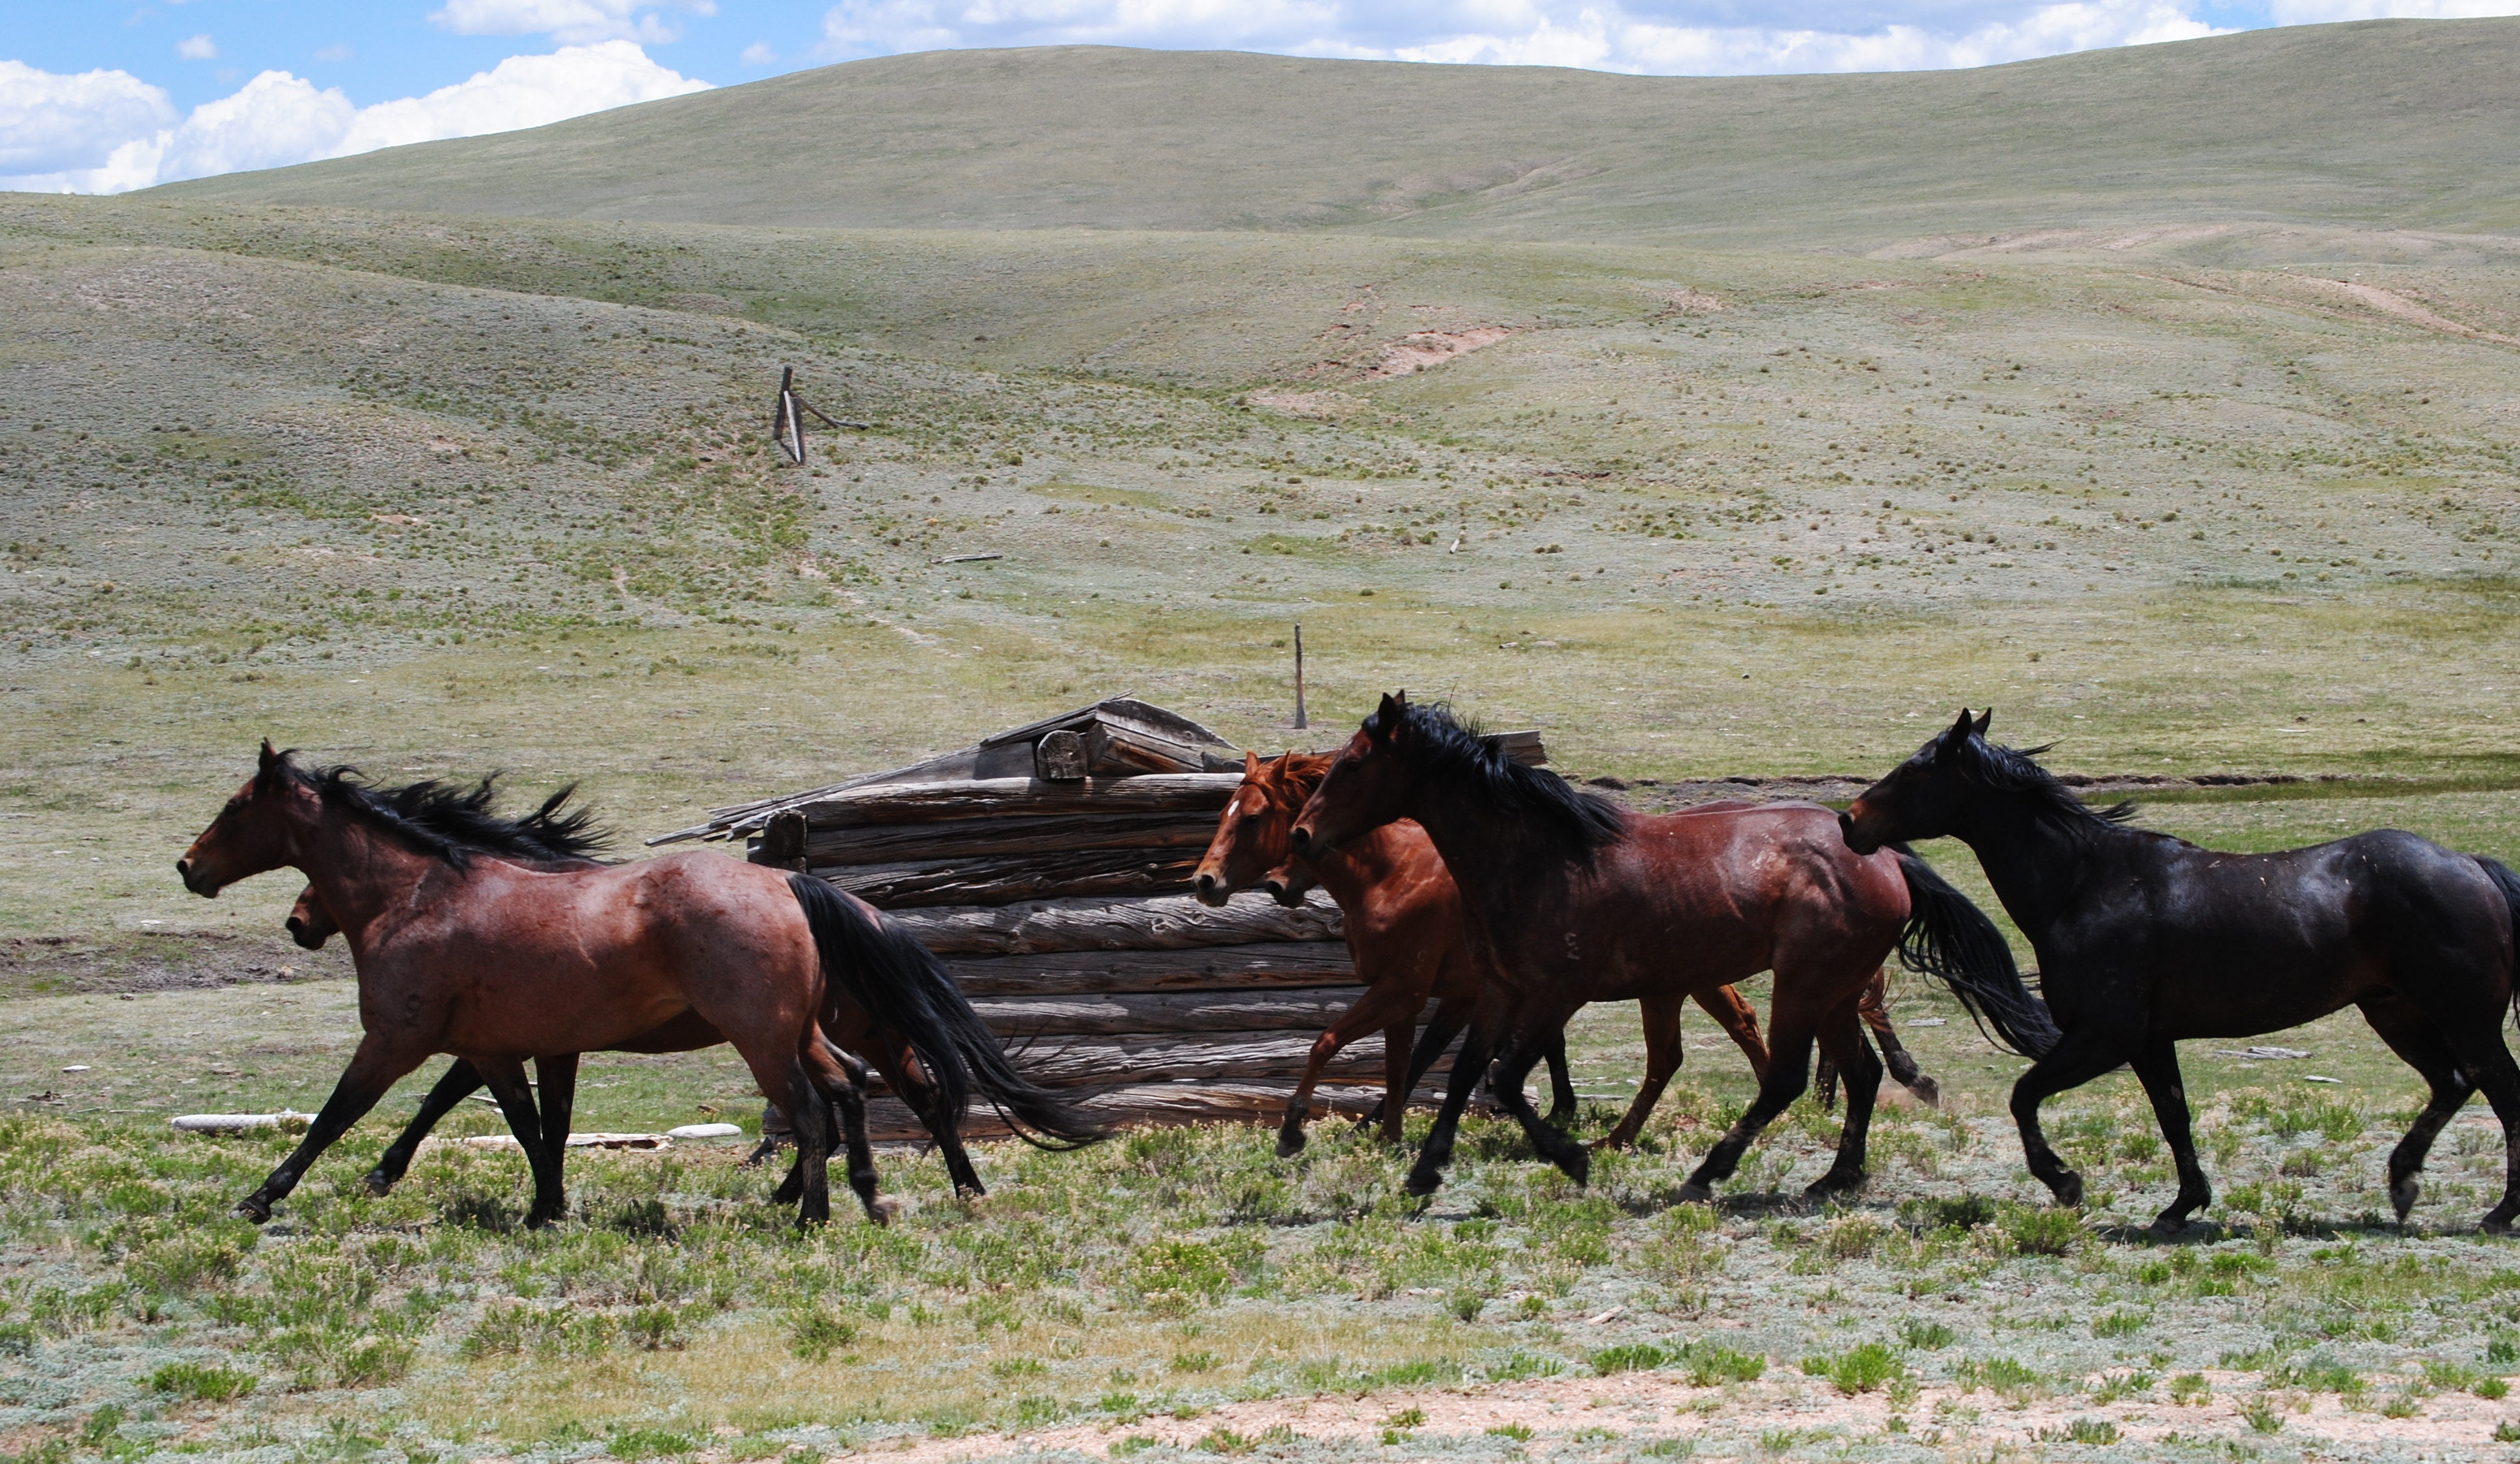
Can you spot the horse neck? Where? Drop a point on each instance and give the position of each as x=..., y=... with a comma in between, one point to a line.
x=1489, y=850
x=359, y=871
x=1350, y=871
x=2035, y=861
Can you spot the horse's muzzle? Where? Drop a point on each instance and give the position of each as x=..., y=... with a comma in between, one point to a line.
x=1210, y=890
x=185, y=871
x=306, y=939
x=1854, y=837
x=1285, y=893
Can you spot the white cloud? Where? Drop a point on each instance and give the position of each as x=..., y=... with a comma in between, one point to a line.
x=2312, y=11
x=758, y=54
x=569, y=21
x=1645, y=36
x=196, y=48
x=50, y=123
x=277, y=119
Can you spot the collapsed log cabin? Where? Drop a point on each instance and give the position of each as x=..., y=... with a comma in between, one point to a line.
x=1049, y=866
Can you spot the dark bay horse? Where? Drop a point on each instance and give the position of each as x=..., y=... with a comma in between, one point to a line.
x=495, y=962
x=1569, y=899
x=1402, y=917
x=2145, y=939
x=846, y=1025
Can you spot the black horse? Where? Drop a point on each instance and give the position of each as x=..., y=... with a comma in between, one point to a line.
x=2146, y=939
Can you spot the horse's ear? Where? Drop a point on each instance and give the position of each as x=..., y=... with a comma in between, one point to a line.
x=1386, y=717
x=1250, y=764
x=270, y=763
x=1983, y=718
x=1961, y=729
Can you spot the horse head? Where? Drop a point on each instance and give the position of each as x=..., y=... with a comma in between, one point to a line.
x=309, y=923
x=1367, y=788
x=1920, y=797
x=256, y=831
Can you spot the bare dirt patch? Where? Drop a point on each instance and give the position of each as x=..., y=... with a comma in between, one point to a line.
x=62, y=965
x=1424, y=350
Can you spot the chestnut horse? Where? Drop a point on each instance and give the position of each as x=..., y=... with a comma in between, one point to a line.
x=1402, y=917
x=2145, y=939
x=463, y=952
x=1569, y=899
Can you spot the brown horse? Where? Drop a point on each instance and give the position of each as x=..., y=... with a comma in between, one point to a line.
x=1570, y=899
x=464, y=951
x=310, y=925
x=1402, y=917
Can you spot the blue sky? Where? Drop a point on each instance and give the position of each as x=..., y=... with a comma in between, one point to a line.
x=103, y=96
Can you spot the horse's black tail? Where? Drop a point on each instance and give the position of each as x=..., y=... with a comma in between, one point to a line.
x=2509, y=884
x=1950, y=938
x=902, y=986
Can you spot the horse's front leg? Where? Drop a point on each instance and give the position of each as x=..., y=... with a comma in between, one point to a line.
x=2082, y=1054
x=372, y=1069
x=1514, y=1064
x=1381, y=1005
x=461, y=1081
x=1469, y=1065
x=1841, y=1035
x=2156, y=1067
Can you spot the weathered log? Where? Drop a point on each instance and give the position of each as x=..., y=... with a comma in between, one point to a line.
x=1115, y=747
x=964, y=838
x=1306, y=1010
x=1021, y=797
x=1169, y=922
x=1273, y=965
x=1001, y=879
x=1060, y=757
x=1165, y=1057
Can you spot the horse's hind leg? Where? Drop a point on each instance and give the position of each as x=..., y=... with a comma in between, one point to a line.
x=372, y=1069
x=556, y=1093
x=507, y=1080
x=2156, y=1067
x=900, y=1066
x=1842, y=1035
x=1876, y=1011
x=2488, y=1063
x=2412, y=1037
x=1663, y=1056
x=1383, y=1005
x=811, y=1114
x=837, y=1077
x=1740, y=1020
x=461, y=1081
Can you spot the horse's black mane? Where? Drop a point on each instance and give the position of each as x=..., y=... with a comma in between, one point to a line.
x=2015, y=770
x=453, y=822
x=1588, y=821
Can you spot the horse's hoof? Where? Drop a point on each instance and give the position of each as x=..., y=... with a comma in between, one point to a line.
x=1290, y=1142
x=2498, y=1223
x=1927, y=1090
x=1423, y=1182
x=2403, y=1194
x=1694, y=1193
x=254, y=1207
x=378, y=1183
x=1578, y=1164
x=2068, y=1189
x=970, y=1192
x=1612, y=1141
x=882, y=1208
x=1835, y=1183
x=2167, y=1224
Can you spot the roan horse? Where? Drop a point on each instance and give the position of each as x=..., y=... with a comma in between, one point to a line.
x=1402, y=918
x=496, y=961
x=2145, y=939
x=1569, y=899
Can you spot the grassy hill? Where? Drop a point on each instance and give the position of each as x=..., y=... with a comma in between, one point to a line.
x=2391, y=123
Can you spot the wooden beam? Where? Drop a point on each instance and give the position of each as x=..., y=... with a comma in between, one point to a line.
x=1003, y=879
x=1141, y=1105
x=1170, y=922
x=1267, y=964
x=1308, y=1010
x=1021, y=797
x=967, y=838
x=1166, y=1057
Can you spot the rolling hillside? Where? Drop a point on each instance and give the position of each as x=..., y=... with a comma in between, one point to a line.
x=2398, y=123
